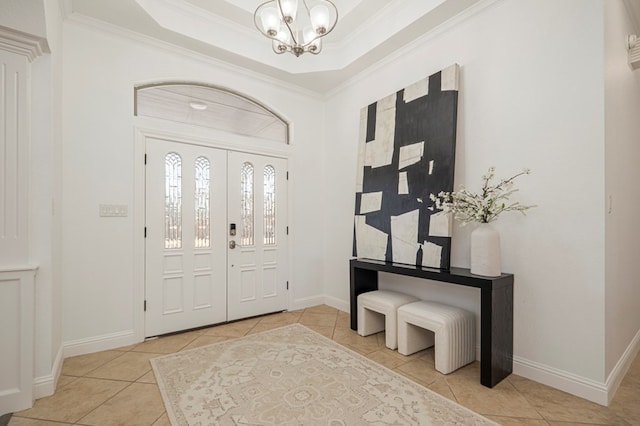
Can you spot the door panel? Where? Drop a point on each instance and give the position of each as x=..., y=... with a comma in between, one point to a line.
x=257, y=266
x=186, y=236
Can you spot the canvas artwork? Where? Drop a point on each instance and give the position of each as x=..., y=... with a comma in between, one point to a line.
x=406, y=152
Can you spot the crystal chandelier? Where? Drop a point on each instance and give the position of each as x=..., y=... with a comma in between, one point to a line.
x=294, y=27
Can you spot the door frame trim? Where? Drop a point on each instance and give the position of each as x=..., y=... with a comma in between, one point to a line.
x=143, y=130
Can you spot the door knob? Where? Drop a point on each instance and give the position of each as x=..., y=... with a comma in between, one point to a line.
x=232, y=244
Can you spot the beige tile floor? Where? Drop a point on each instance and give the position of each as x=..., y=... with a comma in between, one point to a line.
x=117, y=387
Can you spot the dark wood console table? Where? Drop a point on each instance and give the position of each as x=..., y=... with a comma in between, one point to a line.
x=496, y=308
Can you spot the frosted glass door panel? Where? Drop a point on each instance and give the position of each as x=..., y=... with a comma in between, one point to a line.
x=202, y=203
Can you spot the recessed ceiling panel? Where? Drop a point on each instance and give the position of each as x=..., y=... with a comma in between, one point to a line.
x=367, y=31
x=345, y=6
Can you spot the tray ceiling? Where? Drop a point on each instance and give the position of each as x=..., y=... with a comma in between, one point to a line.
x=367, y=31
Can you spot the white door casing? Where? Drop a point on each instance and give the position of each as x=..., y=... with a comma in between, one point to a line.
x=185, y=280
x=257, y=262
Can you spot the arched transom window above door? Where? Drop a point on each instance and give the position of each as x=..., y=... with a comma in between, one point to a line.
x=212, y=107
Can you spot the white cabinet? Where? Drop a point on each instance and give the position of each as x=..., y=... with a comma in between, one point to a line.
x=17, y=277
x=16, y=335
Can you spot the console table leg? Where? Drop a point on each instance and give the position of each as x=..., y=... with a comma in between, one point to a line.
x=361, y=281
x=496, y=347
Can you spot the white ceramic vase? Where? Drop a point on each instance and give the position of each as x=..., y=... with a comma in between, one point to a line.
x=485, y=251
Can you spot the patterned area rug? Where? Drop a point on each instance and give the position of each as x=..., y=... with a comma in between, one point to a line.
x=295, y=376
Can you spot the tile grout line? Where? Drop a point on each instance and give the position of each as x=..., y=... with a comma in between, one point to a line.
x=359, y=346
x=103, y=402
x=160, y=416
x=100, y=366
x=528, y=401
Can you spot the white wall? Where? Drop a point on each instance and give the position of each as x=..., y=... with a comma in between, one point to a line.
x=45, y=188
x=40, y=247
x=54, y=36
x=531, y=96
x=100, y=71
x=622, y=102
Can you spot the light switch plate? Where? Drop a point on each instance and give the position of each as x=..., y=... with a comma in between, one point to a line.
x=114, y=210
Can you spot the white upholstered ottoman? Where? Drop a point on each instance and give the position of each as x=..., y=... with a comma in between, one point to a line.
x=453, y=330
x=377, y=311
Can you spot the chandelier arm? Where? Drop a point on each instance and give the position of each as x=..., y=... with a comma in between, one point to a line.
x=335, y=22
x=293, y=37
x=279, y=52
x=314, y=52
x=259, y=25
x=319, y=36
x=304, y=46
x=255, y=20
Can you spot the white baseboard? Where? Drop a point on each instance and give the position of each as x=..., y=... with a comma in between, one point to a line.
x=99, y=343
x=46, y=385
x=559, y=379
x=600, y=393
x=622, y=366
x=339, y=304
x=307, y=302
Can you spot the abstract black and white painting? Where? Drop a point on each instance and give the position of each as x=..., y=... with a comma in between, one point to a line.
x=406, y=152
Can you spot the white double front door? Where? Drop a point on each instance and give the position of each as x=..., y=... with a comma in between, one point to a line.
x=216, y=236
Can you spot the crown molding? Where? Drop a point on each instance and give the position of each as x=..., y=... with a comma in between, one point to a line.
x=22, y=43
x=117, y=31
x=66, y=8
x=436, y=32
x=380, y=19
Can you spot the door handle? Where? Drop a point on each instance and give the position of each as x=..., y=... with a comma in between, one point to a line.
x=232, y=244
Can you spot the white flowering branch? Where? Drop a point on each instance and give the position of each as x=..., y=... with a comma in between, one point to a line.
x=485, y=207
